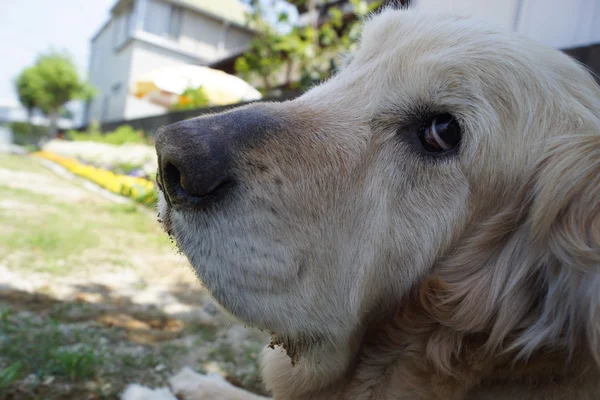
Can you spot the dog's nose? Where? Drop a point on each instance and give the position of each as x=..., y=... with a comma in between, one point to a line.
x=196, y=156
x=194, y=162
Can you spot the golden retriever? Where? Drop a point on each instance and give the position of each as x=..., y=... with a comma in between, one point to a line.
x=423, y=225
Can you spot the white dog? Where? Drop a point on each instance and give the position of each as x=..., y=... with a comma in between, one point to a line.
x=424, y=225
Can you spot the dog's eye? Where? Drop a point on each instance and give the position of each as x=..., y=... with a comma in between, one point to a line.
x=441, y=134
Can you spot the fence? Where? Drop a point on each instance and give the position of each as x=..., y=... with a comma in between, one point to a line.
x=151, y=124
x=588, y=55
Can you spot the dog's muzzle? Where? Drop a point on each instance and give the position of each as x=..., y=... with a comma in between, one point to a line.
x=197, y=158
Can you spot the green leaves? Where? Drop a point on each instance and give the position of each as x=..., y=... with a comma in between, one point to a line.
x=192, y=98
x=50, y=83
x=337, y=17
x=304, y=55
x=29, y=85
x=10, y=374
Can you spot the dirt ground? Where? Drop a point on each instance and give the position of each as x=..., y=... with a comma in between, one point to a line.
x=93, y=296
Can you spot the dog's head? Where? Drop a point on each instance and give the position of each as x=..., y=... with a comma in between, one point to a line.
x=442, y=148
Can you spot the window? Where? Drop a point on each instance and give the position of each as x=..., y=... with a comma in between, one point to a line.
x=163, y=19
x=175, y=21
x=122, y=27
x=116, y=88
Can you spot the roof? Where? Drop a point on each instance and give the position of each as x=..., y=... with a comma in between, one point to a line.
x=228, y=10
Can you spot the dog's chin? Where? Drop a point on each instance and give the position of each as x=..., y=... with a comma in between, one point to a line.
x=244, y=267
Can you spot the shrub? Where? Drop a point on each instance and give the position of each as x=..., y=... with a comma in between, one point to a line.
x=26, y=134
x=125, y=134
x=122, y=135
x=191, y=98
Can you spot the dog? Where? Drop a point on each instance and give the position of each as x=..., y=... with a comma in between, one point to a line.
x=423, y=225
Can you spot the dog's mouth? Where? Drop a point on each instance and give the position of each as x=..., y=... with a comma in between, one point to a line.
x=164, y=217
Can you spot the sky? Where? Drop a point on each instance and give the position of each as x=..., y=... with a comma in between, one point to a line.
x=30, y=27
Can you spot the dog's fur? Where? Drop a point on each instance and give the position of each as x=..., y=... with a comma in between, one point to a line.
x=387, y=274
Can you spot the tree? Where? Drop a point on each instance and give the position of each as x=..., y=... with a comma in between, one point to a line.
x=191, y=98
x=50, y=84
x=264, y=56
x=28, y=86
x=310, y=51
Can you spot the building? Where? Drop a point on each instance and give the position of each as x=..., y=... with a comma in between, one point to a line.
x=573, y=27
x=556, y=23
x=144, y=35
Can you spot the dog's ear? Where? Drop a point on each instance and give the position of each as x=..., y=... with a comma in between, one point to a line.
x=565, y=226
x=565, y=211
x=529, y=275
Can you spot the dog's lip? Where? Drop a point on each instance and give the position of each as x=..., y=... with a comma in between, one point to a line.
x=164, y=219
x=161, y=187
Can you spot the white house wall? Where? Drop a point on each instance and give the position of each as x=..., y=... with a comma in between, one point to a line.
x=145, y=35
x=210, y=38
x=561, y=24
x=498, y=12
x=557, y=23
x=236, y=40
x=200, y=34
x=109, y=74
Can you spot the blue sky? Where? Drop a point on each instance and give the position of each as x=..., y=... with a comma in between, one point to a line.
x=29, y=27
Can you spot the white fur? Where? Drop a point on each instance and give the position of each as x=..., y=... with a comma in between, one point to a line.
x=360, y=218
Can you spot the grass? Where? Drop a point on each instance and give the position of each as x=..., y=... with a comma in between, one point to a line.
x=53, y=237
x=36, y=350
x=239, y=361
x=57, y=349
x=34, y=347
x=58, y=235
x=14, y=162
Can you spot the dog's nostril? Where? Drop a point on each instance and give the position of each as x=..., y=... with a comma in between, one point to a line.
x=172, y=178
x=194, y=186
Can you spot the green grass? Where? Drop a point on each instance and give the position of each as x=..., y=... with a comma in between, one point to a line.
x=10, y=374
x=19, y=163
x=54, y=236
x=22, y=194
x=34, y=347
x=58, y=235
x=74, y=355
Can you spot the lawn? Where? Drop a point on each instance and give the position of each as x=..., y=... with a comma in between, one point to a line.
x=93, y=296
x=45, y=231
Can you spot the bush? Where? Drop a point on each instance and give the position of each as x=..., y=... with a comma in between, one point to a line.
x=191, y=99
x=122, y=135
x=26, y=134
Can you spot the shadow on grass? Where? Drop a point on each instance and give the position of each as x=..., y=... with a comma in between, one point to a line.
x=94, y=344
